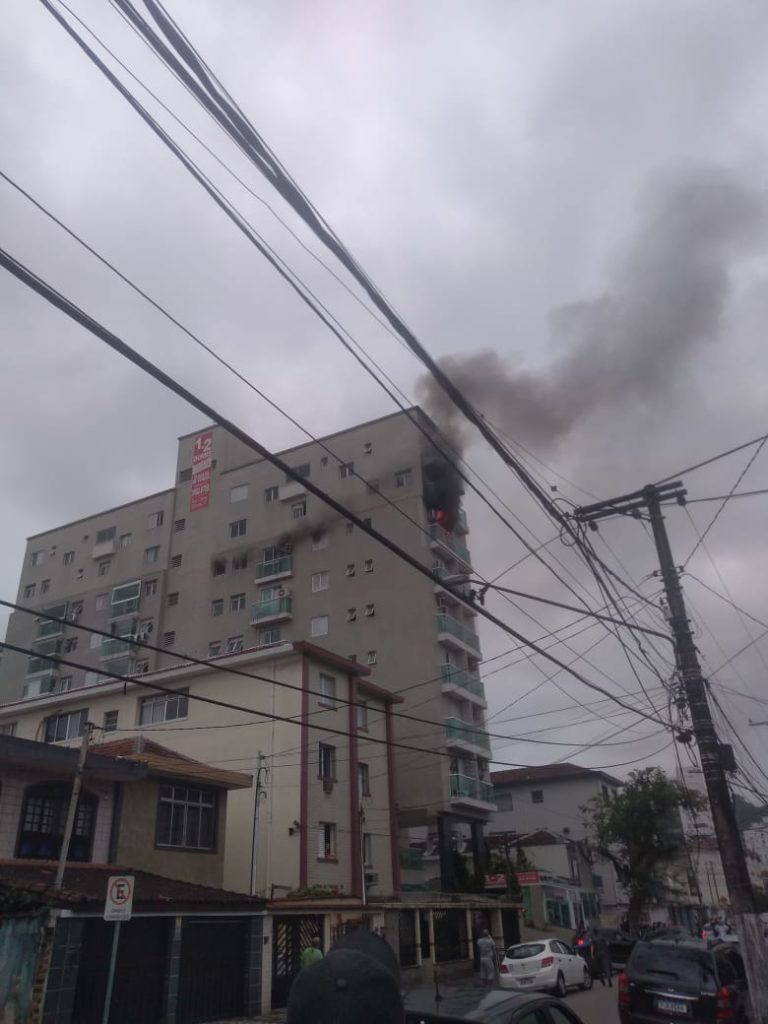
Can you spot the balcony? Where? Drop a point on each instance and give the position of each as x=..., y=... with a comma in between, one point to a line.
x=274, y=568
x=120, y=608
x=116, y=645
x=471, y=792
x=103, y=549
x=455, y=634
x=441, y=539
x=466, y=736
x=292, y=490
x=461, y=522
x=275, y=610
x=463, y=684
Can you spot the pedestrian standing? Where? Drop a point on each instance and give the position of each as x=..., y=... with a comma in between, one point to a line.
x=602, y=959
x=312, y=953
x=486, y=950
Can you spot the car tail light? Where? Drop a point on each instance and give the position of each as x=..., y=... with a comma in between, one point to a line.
x=725, y=1008
x=547, y=961
x=503, y=969
x=623, y=990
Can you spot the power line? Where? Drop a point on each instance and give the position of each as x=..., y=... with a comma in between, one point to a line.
x=728, y=497
x=714, y=458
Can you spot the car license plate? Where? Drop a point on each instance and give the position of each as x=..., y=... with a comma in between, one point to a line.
x=526, y=981
x=672, y=1006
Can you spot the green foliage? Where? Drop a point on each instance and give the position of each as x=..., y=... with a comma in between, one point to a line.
x=639, y=832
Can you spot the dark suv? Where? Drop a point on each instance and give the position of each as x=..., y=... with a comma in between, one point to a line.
x=686, y=980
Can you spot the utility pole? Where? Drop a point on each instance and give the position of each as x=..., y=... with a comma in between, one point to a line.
x=261, y=794
x=748, y=923
x=77, y=784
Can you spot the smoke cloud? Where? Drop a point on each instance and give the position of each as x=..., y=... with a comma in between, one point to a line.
x=664, y=304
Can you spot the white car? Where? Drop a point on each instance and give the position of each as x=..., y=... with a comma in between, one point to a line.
x=544, y=964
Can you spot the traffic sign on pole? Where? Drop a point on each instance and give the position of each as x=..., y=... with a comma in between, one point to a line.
x=118, y=902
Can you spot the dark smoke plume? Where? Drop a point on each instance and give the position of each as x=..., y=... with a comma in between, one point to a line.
x=664, y=304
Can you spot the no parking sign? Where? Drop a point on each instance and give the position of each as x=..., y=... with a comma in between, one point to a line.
x=118, y=903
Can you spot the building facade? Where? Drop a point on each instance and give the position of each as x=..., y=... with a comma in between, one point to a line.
x=235, y=557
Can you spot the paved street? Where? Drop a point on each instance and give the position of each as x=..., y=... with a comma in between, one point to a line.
x=596, y=1007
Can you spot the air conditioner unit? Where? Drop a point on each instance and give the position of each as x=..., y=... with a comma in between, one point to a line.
x=281, y=591
x=144, y=635
x=371, y=878
x=327, y=786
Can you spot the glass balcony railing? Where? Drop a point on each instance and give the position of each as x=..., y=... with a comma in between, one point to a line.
x=474, y=789
x=447, y=624
x=119, y=645
x=411, y=859
x=119, y=608
x=461, y=677
x=465, y=732
x=269, y=609
x=448, y=540
x=485, y=792
x=274, y=567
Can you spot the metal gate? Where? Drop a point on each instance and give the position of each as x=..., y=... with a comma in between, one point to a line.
x=137, y=993
x=212, y=974
x=407, y=938
x=450, y=935
x=290, y=935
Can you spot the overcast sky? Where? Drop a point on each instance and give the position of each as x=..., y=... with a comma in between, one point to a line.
x=576, y=191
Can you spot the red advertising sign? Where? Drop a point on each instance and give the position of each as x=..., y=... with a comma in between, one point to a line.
x=528, y=877
x=495, y=881
x=202, y=459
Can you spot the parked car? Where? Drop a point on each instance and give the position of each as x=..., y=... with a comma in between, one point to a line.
x=713, y=932
x=691, y=980
x=548, y=964
x=495, y=1007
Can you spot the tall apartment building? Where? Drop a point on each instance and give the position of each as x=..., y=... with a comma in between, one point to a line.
x=235, y=556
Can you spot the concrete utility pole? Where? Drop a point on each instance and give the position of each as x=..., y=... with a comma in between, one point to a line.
x=748, y=923
x=261, y=794
x=77, y=784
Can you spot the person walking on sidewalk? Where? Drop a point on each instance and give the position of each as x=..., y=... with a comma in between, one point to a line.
x=602, y=959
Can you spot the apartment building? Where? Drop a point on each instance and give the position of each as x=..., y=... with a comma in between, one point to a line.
x=235, y=557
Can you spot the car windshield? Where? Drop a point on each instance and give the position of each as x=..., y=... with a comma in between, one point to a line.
x=523, y=952
x=690, y=967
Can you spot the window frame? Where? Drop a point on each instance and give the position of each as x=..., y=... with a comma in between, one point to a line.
x=327, y=847
x=237, y=528
x=537, y=796
x=326, y=762
x=237, y=602
x=155, y=519
x=317, y=631
x=78, y=719
x=327, y=699
x=403, y=477
x=363, y=779
x=208, y=802
x=164, y=701
x=361, y=715
x=238, y=493
x=299, y=509
x=152, y=554
x=271, y=494
x=319, y=581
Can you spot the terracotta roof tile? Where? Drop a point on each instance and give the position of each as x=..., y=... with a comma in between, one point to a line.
x=169, y=764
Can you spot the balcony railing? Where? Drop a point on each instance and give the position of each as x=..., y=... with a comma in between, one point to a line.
x=271, y=609
x=447, y=624
x=465, y=732
x=411, y=859
x=275, y=567
x=461, y=677
x=461, y=521
x=119, y=645
x=448, y=540
x=469, y=788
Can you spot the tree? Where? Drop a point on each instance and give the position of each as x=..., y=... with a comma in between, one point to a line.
x=640, y=832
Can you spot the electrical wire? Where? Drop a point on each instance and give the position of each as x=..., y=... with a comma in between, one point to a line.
x=714, y=458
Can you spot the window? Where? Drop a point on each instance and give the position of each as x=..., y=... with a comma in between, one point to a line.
x=185, y=475
x=239, y=562
x=45, y=586
x=367, y=448
x=323, y=460
x=267, y=637
x=180, y=525
x=237, y=528
x=102, y=536
x=70, y=644
x=69, y=557
x=234, y=644
x=67, y=726
x=237, y=602
x=29, y=591
x=43, y=818
x=214, y=648
x=239, y=493
x=367, y=849
x=80, y=574
x=361, y=715
x=219, y=567
x=326, y=763
x=186, y=818
x=350, y=570
x=326, y=837
x=403, y=478
x=271, y=493
x=217, y=607
x=125, y=598
x=351, y=614
x=154, y=519
x=110, y=721
x=8, y=728
x=503, y=801
x=96, y=640
x=302, y=470
x=318, y=626
x=125, y=540
x=104, y=567
x=150, y=588
x=163, y=707
x=173, y=599
x=151, y=555
x=537, y=796
x=327, y=690
x=319, y=540
x=75, y=609
x=319, y=581
x=176, y=562
x=370, y=610
x=364, y=779
x=346, y=469
x=368, y=565
x=298, y=510
x=372, y=657
x=169, y=638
